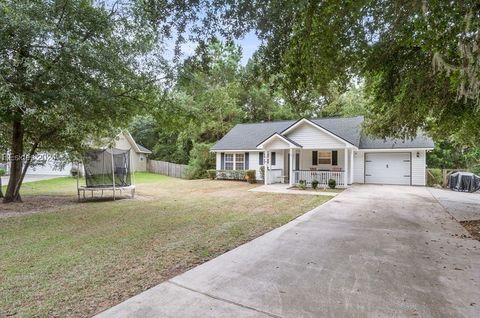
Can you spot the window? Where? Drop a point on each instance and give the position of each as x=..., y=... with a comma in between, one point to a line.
x=273, y=156
x=324, y=157
x=239, y=161
x=260, y=159
x=229, y=161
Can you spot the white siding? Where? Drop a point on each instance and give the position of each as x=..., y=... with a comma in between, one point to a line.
x=218, y=165
x=253, y=163
x=418, y=168
x=312, y=137
x=277, y=144
x=358, y=167
x=139, y=161
x=278, y=160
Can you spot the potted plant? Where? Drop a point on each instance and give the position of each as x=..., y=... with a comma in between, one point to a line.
x=314, y=184
x=250, y=176
x=332, y=183
x=302, y=184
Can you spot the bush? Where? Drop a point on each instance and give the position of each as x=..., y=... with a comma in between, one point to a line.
x=314, y=184
x=302, y=184
x=332, y=183
x=262, y=172
x=250, y=175
x=212, y=174
x=434, y=177
x=201, y=160
x=231, y=174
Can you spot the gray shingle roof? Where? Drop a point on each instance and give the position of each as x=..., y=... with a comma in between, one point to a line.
x=421, y=141
x=143, y=149
x=248, y=136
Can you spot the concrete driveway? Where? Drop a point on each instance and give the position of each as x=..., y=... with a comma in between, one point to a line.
x=32, y=177
x=463, y=206
x=372, y=251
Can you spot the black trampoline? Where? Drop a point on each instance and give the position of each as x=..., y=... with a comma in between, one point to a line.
x=107, y=170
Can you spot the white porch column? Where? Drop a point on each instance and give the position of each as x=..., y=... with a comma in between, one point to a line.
x=345, y=167
x=291, y=168
x=351, y=166
x=265, y=166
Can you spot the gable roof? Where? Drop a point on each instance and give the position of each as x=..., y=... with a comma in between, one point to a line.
x=136, y=147
x=284, y=138
x=143, y=149
x=248, y=136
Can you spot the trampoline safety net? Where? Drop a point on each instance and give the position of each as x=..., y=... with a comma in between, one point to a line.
x=104, y=165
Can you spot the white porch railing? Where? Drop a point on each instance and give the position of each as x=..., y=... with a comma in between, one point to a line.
x=321, y=176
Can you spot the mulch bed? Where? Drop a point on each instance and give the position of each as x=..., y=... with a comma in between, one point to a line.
x=473, y=227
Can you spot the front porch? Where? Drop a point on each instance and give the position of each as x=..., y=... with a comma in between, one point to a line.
x=290, y=166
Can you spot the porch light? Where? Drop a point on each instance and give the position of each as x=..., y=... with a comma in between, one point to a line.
x=418, y=154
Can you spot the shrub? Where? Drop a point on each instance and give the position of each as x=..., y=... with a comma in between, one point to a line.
x=212, y=174
x=262, y=172
x=332, y=183
x=231, y=174
x=201, y=160
x=302, y=184
x=250, y=175
x=314, y=184
x=2, y=172
x=434, y=177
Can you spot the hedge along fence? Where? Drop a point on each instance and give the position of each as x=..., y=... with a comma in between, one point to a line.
x=167, y=168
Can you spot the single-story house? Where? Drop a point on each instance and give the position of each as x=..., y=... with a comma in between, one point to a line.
x=322, y=149
x=46, y=165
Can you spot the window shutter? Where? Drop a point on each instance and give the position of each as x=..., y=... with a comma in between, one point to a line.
x=274, y=161
x=334, y=158
x=314, y=158
x=260, y=158
x=297, y=161
x=222, y=161
x=246, y=160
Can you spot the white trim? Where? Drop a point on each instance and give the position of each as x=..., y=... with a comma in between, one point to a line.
x=304, y=120
x=277, y=135
x=395, y=149
x=244, y=150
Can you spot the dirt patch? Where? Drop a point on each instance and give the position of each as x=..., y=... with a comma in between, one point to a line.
x=35, y=204
x=47, y=203
x=473, y=227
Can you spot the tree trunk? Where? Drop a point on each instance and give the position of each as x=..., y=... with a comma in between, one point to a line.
x=1, y=193
x=25, y=168
x=16, y=162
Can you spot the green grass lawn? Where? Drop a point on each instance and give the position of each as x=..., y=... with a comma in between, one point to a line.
x=77, y=259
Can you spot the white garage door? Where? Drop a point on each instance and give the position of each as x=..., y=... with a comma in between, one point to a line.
x=387, y=168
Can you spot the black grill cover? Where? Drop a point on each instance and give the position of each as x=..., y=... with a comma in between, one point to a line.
x=464, y=181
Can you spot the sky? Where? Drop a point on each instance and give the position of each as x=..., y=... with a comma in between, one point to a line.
x=249, y=44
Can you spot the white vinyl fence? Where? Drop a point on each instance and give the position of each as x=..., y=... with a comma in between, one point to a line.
x=167, y=168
